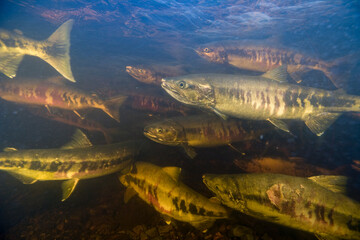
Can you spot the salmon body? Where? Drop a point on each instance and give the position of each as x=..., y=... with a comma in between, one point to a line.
x=76, y=160
x=201, y=131
x=161, y=188
x=257, y=56
x=266, y=97
x=308, y=204
x=30, y=92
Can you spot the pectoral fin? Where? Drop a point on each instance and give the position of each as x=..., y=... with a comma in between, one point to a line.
x=10, y=149
x=204, y=225
x=279, y=124
x=68, y=187
x=325, y=237
x=223, y=116
x=234, y=148
x=22, y=178
x=320, y=122
x=189, y=151
x=9, y=63
x=78, y=114
x=129, y=193
x=167, y=219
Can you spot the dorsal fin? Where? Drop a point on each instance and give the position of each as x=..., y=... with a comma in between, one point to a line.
x=9, y=149
x=334, y=183
x=278, y=74
x=79, y=140
x=174, y=172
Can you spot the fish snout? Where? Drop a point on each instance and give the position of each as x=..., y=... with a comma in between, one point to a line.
x=164, y=84
x=148, y=132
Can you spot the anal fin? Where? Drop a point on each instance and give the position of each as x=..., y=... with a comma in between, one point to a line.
x=223, y=116
x=129, y=193
x=22, y=178
x=318, y=123
x=9, y=63
x=68, y=187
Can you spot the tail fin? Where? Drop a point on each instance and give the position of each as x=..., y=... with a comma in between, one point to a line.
x=340, y=69
x=58, y=50
x=112, y=106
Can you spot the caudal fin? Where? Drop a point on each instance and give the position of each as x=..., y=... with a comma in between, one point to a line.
x=112, y=107
x=58, y=50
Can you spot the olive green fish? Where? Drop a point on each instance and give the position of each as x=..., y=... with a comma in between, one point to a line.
x=161, y=188
x=54, y=50
x=201, y=131
x=314, y=204
x=77, y=160
x=258, y=56
x=266, y=97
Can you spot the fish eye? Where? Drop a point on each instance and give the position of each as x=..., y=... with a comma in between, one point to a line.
x=206, y=50
x=160, y=130
x=182, y=84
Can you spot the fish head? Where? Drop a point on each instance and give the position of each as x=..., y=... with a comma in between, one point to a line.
x=216, y=54
x=190, y=89
x=165, y=132
x=214, y=183
x=223, y=187
x=141, y=74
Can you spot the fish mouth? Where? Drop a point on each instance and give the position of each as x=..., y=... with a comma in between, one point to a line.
x=169, y=89
x=153, y=137
x=198, y=52
x=149, y=135
x=204, y=179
